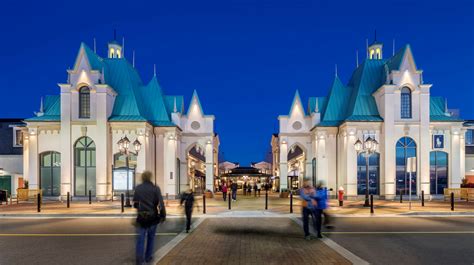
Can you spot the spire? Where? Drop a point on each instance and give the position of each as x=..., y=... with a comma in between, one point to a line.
x=367, y=47
x=41, y=111
x=175, y=109
x=133, y=58
x=393, y=47
x=335, y=70
x=154, y=69
x=446, y=111
x=357, y=58
x=316, y=109
x=123, y=47
x=95, y=47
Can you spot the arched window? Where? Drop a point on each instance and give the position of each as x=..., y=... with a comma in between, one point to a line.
x=374, y=173
x=84, y=166
x=438, y=172
x=405, y=148
x=84, y=102
x=50, y=173
x=120, y=160
x=405, y=103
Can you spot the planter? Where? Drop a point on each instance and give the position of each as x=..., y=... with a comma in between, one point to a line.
x=208, y=194
x=25, y=194
x=284, y=194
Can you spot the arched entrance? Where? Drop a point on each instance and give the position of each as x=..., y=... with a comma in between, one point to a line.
x=196, y=169
x=374, y=173
x=84, y=167
x=405, y=148
x=50, y=173
x=296, y=167
x=438, y=172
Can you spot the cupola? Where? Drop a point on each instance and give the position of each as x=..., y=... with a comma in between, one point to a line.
x=115, y=49
x=374, y=51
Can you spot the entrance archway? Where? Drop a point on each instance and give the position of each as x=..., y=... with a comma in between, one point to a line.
x=296, y=166
x=50, y=173
x=84, y=167
x=196, y=160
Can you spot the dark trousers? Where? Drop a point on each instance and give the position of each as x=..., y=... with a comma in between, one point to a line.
x=189, y=213
x=234, y=195
x=145, y=253
x=224, y=194
x=316, y=219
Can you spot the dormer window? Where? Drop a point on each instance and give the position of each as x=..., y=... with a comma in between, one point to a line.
x=405, y=103
x=84, y=103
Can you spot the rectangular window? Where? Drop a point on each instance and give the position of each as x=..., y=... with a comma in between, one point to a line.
x=17, y=137
x=470, y=137
x=85, y=106
x=405, y=106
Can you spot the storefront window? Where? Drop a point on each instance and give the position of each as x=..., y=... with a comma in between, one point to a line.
x=405, y=148
x=438, y=172
x=374, y=173
x=84, y=160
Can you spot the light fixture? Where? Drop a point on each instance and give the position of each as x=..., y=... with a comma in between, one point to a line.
x=137, y=145
x=358, y=145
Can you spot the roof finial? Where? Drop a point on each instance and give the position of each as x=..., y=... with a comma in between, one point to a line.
x=95, y=47
x=41, y=111
x=357, y=58
x=393, y=46
x=133, y=58
x=123, y=47
x=316, y=109
x=154, y=69
x=367, y=47
x=175, y=109
x=335, y=70
x=102, y=75
x=446, y=111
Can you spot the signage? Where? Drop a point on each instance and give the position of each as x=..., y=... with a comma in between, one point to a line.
x=119, y=179
x=411, y=164
x=438, y=141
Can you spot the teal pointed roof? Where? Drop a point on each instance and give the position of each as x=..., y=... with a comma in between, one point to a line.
x=135, y=102
x=51, y=109
x=355, y=101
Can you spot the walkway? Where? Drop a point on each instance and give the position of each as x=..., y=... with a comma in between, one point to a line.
x=250, y=241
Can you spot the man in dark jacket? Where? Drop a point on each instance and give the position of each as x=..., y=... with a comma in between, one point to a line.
x=233, y=187
x=188, y=199
x=150, y=211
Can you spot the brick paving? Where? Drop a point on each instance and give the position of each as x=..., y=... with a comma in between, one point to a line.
x=250, y=241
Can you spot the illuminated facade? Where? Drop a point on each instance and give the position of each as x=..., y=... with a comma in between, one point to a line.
x=71, y=143
x=387, y=100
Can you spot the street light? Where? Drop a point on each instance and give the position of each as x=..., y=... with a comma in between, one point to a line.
x=368, y=147
x=123, y=145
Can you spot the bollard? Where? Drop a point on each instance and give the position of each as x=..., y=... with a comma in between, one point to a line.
x=371, y=203
x=90, y=197
x=11, y=199
x=38, y=202
x=401, y=196
x=166, y=199
x=422, y=198
x=68, y=202
x=122, y=199
x=452, y=201
x=266, y=199
x=230, y=207
x=204, y=203
x=291, y=201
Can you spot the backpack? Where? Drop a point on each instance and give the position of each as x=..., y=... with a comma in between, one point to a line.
x=147, y=218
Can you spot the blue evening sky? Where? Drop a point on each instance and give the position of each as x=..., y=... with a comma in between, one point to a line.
x=245, y=58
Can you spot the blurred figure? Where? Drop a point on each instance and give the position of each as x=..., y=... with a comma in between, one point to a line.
x=233, y=187
x=307, y=194
x=322, y=204
x=188, y=198
x=150, y=211
x=245, y=188
x=224, y=191
x=255, y=188
x=249, y=189
x=259, y=188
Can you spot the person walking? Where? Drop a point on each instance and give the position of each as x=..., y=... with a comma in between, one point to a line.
x=259, y=188
x=249, y=189
x=307, y=194
x=245, y=188
x=224, y=191
x=233, y=187
x=255, y=188
x=188, y=199
x=150, y=212
x=322, y=204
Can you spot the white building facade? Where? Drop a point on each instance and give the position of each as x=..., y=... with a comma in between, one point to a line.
x=71, y=143
x=386, y=100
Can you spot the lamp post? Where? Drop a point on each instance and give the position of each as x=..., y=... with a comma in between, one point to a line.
x=123, y=145
x=368, y=147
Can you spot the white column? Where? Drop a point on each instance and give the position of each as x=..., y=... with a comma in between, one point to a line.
x=210, y=166
x=423, y=175
x=101, y=147
x=66, y=144
x=32, y=178
x=169, y=165
x=283, y=165
x=351, y=164
x=26, y=160
x=457, y=169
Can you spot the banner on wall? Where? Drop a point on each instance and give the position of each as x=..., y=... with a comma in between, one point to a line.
x=438, y=141
x=119, y=179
